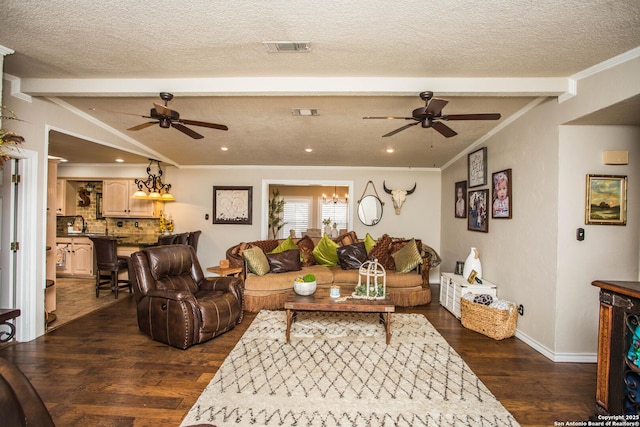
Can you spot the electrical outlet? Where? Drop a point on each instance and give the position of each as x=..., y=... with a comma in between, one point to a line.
x=521, y=310
x=135, y=224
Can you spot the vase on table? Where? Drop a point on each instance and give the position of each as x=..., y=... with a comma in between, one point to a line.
x=334, y=233
x=327, y=230
x=472, y=263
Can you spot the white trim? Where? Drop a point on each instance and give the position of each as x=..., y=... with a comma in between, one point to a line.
x=264, y=231
x=556, y=357
x=14, y=84
x=4, y=51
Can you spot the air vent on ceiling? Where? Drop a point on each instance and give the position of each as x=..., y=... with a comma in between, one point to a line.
x=305, y=112
x=275, y=47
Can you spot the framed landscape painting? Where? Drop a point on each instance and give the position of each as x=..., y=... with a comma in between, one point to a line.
x=232, y=205
x=606, y=200
x=478, y=219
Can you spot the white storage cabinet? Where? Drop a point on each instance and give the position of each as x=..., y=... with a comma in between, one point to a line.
x=453, y=286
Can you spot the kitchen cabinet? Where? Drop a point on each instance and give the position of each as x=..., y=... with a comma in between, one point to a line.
x=65, y=198
x=117, y=201
x=74, y=257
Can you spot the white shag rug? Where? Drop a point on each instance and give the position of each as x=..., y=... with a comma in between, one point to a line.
x=338, y=371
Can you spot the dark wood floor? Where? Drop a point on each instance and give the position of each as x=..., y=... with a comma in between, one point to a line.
x=99, y=370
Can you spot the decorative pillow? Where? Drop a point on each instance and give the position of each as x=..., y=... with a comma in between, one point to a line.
x=325, y=252
x=407, y=258
x=306, y=246
x=347, y=238
x=352, y=256
x=256, y=260
x=382, y=252
x=485, y=299
x=369, y=242
x=266, y=245
x=286, y=245
x=282, y=262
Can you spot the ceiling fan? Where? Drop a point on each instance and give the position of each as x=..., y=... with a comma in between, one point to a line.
x=166, y=117
x=430, y=115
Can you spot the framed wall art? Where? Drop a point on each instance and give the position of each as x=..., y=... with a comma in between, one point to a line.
x=606, y=200
x=232, y=205
x=478, y=219
x=501, y=196
x=460, y=205
x=477, y=167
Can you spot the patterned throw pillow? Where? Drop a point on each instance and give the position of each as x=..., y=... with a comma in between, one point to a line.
x=256, y=260
x=382, y=252
x=325, y=252
x=306, y=246
x=347, y=238
x=286, y=245
x=407, y=258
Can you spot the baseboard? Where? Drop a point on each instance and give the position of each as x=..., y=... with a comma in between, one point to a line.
x=556, y=357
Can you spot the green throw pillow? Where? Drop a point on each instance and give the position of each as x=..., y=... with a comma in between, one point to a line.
x=256, y=260
x=286, y=245
x=407, y=258
x=325, y=252
x=369, y=242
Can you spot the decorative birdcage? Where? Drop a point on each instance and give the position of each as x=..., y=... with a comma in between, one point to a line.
x=370, y=274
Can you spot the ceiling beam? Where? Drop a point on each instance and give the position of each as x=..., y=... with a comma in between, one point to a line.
x=298, y=86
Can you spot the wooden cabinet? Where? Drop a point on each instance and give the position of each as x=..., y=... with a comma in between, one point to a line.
x=77, y=257
x=618, y=380
x=453, y=286
x=65, y=198
x=117, y=201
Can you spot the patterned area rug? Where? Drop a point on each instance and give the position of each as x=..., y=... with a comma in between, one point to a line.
x=337, y=371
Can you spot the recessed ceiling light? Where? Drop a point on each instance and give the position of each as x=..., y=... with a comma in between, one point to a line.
x=308, y=150
x=224, y=148
x=287, y=47
x=305, y=111
x=390, y=150
x=120, y=160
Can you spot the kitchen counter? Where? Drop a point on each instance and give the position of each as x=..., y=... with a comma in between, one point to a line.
x=140, y=240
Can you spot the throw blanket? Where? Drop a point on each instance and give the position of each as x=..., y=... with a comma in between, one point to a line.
x=337, y=371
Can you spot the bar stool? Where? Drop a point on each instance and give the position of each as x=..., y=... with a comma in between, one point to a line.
x=193, y=239
x=109, y=264
x=181, y=239
x=167, y=239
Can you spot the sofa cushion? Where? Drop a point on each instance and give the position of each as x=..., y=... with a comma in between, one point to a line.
x=369, y=242
x=306, y=245
x=256, y=260
x=265, y=285
x=286, y=245
x=382, y=252
x=351, y=257
x=325, y=252
x=407, y=258
x=266, y=245
x=347, y=238
x=284, y=261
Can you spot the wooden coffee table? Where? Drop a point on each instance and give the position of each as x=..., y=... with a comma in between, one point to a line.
x=321, y=301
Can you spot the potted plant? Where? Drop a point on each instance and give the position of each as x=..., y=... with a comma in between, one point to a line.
x=276, y=208
x=305, y=285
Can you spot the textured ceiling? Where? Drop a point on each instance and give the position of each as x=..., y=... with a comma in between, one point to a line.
x=368, y=58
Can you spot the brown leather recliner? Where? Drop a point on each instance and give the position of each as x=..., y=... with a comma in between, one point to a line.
x=176, y=304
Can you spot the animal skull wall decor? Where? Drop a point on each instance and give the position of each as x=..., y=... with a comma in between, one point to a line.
x=398, y=196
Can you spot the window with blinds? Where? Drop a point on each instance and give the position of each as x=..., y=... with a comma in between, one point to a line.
x=336, y=211
x=296, y=215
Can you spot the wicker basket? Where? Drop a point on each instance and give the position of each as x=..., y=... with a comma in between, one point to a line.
x=492, y=322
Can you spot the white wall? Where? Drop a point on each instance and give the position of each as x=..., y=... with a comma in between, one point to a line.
x=608, y=252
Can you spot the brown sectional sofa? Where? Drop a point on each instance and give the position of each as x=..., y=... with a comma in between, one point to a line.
x=270, y=290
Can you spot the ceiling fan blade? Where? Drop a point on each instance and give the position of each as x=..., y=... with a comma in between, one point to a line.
x=393, y=132
x=389, y=118
x=193, y=134
x=435, y=107
x=143, y=125
x=445, y=130
x=204, y=124
x=119, y=112
x=165, y=111
x=481, y=116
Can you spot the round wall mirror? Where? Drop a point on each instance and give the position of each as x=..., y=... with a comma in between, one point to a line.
x=370, y=210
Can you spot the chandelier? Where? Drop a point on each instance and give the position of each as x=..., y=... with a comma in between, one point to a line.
x=153, y=188
x=335, y=199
